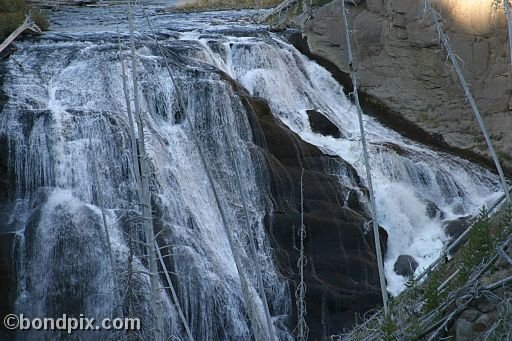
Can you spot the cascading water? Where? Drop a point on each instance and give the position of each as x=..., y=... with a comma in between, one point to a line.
x=66, y=116
x=417, y=189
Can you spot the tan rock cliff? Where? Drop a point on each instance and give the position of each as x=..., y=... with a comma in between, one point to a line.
x=401, y=66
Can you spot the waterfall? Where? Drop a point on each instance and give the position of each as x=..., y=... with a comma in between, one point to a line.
x=417, y=189
x=66, y=114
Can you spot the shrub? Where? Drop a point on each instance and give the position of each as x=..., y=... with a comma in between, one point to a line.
x=388, y=329
x=193, y=5
x=479, y=246
x=433, y=298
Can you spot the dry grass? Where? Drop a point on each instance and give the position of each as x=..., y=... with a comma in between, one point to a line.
x=203, y=5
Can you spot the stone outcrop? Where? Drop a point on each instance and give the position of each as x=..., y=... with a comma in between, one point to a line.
x=341, y=274
x=403, y=71
x=475, y=322
x=455, y=228
x=322, y=125
x=405, y=265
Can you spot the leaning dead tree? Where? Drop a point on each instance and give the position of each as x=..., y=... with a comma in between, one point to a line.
x=438, y=20
x=378, y=251
x=144, y=192
x=28, y=24
x=96, y=183
x=278, y=9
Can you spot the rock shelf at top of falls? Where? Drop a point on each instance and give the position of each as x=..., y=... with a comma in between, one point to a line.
x=65, y=114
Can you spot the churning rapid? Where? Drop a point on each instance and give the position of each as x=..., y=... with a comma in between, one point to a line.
x=66, y=126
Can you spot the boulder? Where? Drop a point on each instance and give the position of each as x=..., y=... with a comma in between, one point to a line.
x=353, y=201
x=405, y=265
x=485, y=306
x=463, y=330
x=470, y=315
x=320, y=124
x=484, y=322
x=455, y=228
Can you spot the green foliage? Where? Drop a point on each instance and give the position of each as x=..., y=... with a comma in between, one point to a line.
x=421, y=299
x=434, y=298
x=479, y=246
x=504, y=225
x=299, y=7
x=414, y=329
x=388, y=329
x=12, y=14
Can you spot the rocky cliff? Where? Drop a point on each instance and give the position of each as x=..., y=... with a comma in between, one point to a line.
x=341, y=275
x=404, y=72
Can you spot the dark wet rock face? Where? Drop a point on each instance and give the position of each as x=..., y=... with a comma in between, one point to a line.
x=341, y=274
x=6, y=239
x=353, y=202
x=322, y=125
x=455, y=228
x=6, y=277
x=405, y=265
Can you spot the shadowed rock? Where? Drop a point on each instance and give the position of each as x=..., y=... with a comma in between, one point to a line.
x=322, y=125
x=405, y=265
x=6, y=278
x=455, y=228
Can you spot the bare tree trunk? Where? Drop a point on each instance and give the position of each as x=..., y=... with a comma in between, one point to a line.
x=173, y=293
x=378, y=251
x=117, y=292
x=309, y=8
x=278, y=9
x=252, y=245
x=509, y=21
x=300, y=294
x=145, y=194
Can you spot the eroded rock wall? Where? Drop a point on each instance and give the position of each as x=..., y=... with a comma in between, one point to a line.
x=341, y=273
x=402, y=68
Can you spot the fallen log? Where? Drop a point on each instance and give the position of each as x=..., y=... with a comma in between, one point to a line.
x=28, y=24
